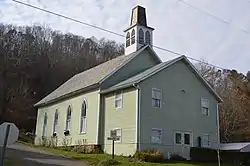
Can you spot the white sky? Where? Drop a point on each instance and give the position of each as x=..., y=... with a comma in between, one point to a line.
x=178, y=27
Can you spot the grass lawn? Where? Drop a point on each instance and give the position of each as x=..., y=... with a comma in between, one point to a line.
x=9, y=162
x=95, y=159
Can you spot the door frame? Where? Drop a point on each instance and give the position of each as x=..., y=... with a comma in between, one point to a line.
x=183, y=145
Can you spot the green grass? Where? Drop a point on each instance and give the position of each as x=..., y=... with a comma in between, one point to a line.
x=9, y=162
x=95, y=159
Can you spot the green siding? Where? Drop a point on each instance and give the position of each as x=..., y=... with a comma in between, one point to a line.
x=140, y=63
x=124, y=118
x=90, y=136
x=180, y=111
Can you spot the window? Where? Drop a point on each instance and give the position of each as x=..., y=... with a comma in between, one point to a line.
x=183, y=138
x=156, y=136
x=187, y=139
x=128, y=39
x=205, y=106
x=118, y=134
x=133, y=37
x=45, y=120
x=55, y=122
x=147, y=37
x=118, y=99
x=206, y=140
x=83, y=117
x=156, y=98
x=68, y=118
x=177, y=138
x=141, y=36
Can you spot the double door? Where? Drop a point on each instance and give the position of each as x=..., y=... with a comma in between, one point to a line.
x=183, y=140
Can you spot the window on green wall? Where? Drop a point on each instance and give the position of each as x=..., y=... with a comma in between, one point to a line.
x=68, y=118
x=118, y=99
x=83, y=117
x=55, y=122
x=205, y=107
x=45, y=120
x=156, y=97
x=156, y=136
x=206, y=140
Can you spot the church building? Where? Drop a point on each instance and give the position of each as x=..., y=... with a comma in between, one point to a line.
x=147, y=103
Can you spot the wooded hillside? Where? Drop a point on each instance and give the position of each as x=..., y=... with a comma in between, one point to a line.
x=36, y=60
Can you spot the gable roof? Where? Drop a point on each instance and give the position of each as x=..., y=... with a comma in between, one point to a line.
x=91, y=77
x=148, y=73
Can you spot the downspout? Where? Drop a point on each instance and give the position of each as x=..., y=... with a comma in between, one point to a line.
x=138, y=119
x=218, y=134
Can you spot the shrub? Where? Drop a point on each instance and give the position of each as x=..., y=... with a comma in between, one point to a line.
x=149, y=155
x=176, y=157
x=108, y=162
x=26, y=136
x=88, y=149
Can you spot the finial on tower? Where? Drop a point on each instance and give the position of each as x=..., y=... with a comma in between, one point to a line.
x=138, y=34
x=138, y=16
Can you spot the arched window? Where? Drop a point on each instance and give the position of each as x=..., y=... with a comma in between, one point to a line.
x=128, y=39
x=141, y=36
x=83, y=117
x=133, y=37
x=55, y=122
x=45, y=120
x=68, y=118
x=148, y=38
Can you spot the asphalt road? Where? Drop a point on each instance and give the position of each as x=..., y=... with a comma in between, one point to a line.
x=28, y=156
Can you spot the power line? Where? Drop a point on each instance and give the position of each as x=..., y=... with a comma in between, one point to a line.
x=213, y=16
x=109, y=31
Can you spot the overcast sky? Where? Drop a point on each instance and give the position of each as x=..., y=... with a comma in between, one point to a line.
x=223, y=41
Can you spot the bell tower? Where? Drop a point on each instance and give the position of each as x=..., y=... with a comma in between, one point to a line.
x=138, y=34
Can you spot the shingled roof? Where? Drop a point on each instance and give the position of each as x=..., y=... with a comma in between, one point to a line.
x=88, y=78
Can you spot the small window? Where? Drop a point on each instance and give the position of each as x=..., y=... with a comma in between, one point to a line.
x=118, y=134
x=205, y=106
x=156, y=136
x=45, y=120
x=206, y=140
x=177, y=138
x=133, y=37
x=68, y=118
x=148, y=37
x=128, y=39
x=187, y=140
x=156, y=98
x=141, y=36
x=83, y=117
x=55, y=122
x=118, y=99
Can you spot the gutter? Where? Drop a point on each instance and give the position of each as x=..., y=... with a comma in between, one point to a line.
x=138, y=119
x=89, y=88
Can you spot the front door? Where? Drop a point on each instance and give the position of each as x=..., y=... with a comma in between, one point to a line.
x=182, y=143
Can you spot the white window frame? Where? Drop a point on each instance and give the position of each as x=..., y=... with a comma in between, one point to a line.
x=120, y=140
x=44, y=127
x=161, y=136
x=190, y=138
x=204, y=106
x=117, y=98
x=83, y=119
x=182, y=133
x=208, y=143
x=152, y=99
x=68, y=121
x=178, y=132
x=55, y=123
